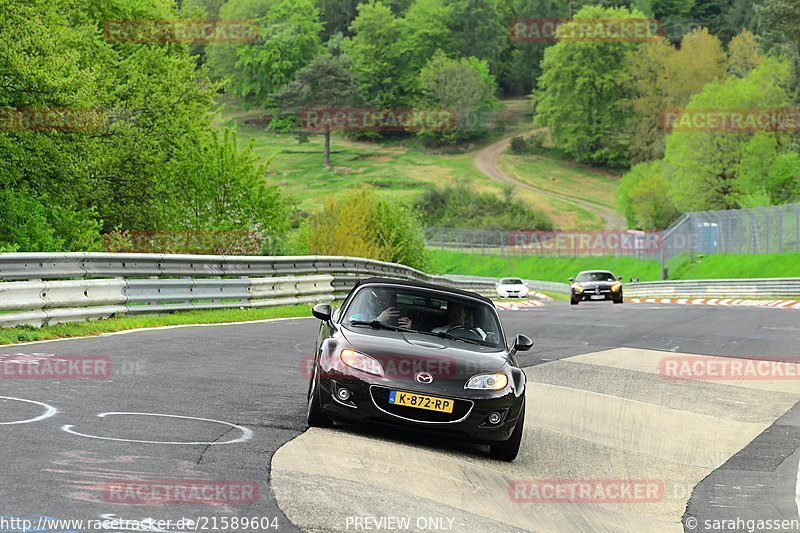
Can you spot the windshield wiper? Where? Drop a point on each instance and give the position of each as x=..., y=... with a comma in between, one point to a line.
x=448, y=336
x=376, y=324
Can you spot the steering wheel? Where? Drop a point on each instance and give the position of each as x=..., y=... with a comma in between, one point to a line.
x=475, y=331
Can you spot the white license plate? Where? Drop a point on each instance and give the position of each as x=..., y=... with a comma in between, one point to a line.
x=598, y=297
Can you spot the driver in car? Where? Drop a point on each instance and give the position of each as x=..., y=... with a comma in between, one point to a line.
x=382, y=306
x=456, y=316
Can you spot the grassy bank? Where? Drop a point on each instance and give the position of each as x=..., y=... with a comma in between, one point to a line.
x=722, y=266
x=570, y=179
x=122, y=323
x=718, y=266
x=540, y=268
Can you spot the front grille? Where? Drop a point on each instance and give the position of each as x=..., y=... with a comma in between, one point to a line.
x=380, y=396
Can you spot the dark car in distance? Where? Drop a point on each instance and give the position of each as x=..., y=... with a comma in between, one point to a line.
x=595, y=285
x=421, y=356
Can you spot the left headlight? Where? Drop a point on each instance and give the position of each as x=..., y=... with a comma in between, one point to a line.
x=361, y=362
x=496, y=381
x=616, y=287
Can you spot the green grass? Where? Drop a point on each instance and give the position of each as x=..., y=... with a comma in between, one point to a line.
x=400, y=170
x=563, y=177
x=567, y=178
x=722, y=266
x=83, y=329
x=539, y=268
x=718, y=266
x=558, y=296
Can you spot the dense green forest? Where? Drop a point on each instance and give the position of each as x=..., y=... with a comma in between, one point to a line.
x=126, y=142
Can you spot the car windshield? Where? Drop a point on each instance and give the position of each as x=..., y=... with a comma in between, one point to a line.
x=426, y=312
x=511, y=281
x=596, y=276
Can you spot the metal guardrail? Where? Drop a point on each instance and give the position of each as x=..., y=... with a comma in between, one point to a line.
x=50, y=288
x=713, y=288
x=533, y=284
x=40, y=288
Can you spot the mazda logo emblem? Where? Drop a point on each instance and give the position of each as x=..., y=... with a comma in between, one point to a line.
x=423, y=377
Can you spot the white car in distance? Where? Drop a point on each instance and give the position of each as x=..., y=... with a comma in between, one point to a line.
x=512, y=288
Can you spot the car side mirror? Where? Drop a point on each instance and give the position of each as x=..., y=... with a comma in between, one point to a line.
x=572, y=280
x=619, y=278
x=322, y=312
x=522, y=343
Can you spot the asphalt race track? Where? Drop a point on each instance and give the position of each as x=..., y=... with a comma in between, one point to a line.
x=225, y=405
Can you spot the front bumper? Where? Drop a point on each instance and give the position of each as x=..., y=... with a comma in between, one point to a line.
x=469, y=420
x=590, y=296
x=513, y=294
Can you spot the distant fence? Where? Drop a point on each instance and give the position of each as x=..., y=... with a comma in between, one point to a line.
x=762, y=230
x=646, y=245
x=46, y=288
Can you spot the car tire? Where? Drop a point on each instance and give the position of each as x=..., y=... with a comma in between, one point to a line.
x=508, y=450
x=573, y=301
x=314, y=416
x=618, y=300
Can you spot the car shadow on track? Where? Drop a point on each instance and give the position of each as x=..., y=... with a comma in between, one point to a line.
x=414, y=437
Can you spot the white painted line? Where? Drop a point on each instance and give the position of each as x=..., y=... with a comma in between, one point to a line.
x=797, y=492
x=246, y=433
x=49, y=411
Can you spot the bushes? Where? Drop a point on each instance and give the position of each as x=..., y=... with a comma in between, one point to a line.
x=363, y=225
x=519, y=146
x=644, y=197
x=458, y=206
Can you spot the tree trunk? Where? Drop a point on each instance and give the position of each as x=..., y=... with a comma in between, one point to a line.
x=327, y=162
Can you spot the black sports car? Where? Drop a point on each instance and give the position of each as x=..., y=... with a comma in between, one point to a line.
x=418, y=355
x=595, y=285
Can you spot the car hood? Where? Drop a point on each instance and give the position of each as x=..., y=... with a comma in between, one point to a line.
x=398, y=349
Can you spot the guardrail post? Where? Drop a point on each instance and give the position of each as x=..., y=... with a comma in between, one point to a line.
x=797, y=228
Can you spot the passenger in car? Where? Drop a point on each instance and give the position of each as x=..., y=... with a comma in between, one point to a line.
x=456, y=316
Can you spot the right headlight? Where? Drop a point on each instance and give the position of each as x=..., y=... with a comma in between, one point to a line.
x=577, y=288
x=496, y=381
x=361, y=362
